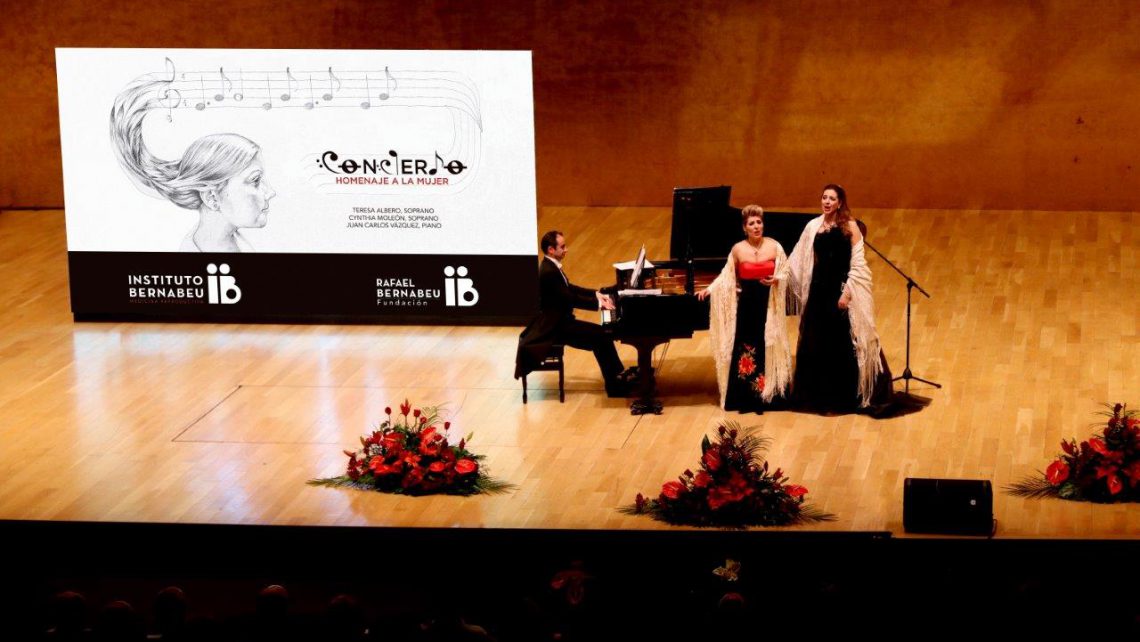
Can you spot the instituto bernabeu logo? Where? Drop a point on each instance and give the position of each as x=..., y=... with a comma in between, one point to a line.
x=222, y=287
x=218, y=287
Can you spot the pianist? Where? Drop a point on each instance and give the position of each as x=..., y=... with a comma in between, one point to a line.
x=555, y=322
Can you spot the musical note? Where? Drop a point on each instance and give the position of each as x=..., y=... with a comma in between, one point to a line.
x=329, y=96
x=455, y=167
x=368, y=90
x=221, y=95
x=202, y=102
x=240, y=96
x=312, y=98
x=289, y=94
x=172, y=97
x=269, y=92
x=389, y=81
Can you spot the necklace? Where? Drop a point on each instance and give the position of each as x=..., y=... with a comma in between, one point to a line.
x=756, y=249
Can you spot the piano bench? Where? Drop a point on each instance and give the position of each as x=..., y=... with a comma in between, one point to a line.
x=553, y=361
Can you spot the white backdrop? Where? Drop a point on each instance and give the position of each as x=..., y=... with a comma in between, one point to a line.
x=474, y=109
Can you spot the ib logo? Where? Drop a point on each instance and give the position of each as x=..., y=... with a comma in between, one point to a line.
x=458, y=291
x=221, y=288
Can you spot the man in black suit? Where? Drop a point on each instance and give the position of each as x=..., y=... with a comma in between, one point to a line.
x=555, y=323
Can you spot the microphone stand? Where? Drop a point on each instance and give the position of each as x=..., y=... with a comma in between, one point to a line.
x=910, y=286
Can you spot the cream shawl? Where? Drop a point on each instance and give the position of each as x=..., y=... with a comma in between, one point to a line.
x=722, y=329
x=860, y=311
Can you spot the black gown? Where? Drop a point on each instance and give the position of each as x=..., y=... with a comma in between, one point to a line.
x=746, y=370
x=827, y=374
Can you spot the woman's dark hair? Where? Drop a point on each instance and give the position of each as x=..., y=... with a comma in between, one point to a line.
x=843, y=214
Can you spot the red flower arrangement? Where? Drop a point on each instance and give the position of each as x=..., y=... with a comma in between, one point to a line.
x=411, y=455
x=1106, y=468
x=734, y=487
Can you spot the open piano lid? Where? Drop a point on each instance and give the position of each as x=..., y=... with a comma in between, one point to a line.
x=704, y=221
x=704, y=224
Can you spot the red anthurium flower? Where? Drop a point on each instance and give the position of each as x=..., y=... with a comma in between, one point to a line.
x=465, y=466
x=711, y=459
x=413, y=478
x=1098, y=445
x=405, y=407
x=721, y=495
x=795, y=491
x=380, y=468
x=411, y=458
x=672, y=489
x=702, y=479
x=1114, y=484
x=429, y=447
x=437, y=467
x=1057, y=472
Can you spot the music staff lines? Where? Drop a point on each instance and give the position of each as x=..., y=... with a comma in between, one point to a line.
x=276, y=89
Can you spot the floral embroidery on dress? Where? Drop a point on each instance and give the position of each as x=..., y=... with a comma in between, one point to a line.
x=746, y=370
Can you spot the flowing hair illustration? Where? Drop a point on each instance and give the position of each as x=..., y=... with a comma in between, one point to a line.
x=219, y=175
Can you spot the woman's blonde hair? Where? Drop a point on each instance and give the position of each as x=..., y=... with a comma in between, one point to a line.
x=749, y=211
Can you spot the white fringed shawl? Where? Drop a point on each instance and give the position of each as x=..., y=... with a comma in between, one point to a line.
x=860, y=310
x=722, y=329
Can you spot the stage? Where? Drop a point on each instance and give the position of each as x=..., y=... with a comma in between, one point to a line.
x=1032, y=325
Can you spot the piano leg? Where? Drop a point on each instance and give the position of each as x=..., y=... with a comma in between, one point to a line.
x=646, y=401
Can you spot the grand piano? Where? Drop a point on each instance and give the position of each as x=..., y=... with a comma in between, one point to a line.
x=704, y=229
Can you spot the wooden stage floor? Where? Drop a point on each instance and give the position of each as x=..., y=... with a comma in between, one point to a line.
x=1034, y=322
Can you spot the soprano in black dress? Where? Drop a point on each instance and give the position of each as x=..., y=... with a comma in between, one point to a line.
x=827, y=374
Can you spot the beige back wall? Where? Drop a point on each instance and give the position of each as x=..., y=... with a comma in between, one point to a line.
x=995, y=105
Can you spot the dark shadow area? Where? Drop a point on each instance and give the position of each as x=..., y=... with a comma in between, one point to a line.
x=198, y=582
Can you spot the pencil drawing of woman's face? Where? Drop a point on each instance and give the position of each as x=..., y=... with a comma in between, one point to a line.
x=244, y=199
